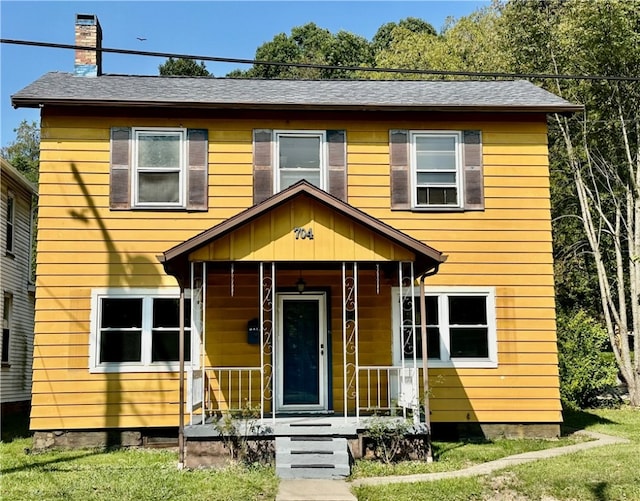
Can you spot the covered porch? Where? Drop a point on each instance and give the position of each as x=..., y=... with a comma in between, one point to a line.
x=303, y=308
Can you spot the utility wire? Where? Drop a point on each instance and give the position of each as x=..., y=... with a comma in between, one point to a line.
x=540, y=76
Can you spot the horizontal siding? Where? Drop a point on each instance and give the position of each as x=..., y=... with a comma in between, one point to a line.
x=15, y=378
x=82, y=244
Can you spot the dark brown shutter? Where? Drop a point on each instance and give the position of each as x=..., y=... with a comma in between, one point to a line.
x=337, y=152
x=399, y=163
x=197, y=178
x=262, y=165
x=473, y=178
x=119, y=176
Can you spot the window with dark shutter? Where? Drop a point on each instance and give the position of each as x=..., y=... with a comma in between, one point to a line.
x=282, y=158
x=152, y=169
x=436, y=170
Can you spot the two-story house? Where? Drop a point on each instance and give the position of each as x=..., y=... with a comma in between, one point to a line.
x=17, y=300
x=301, y=247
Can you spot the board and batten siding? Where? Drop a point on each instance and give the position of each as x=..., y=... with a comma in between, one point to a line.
x=15, y=377
x=82, y=244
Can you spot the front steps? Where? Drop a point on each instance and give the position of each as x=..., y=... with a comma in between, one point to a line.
x=309, y=452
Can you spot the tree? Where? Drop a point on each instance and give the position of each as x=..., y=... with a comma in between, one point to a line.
x=24, y=152
x=183, y=67
x=599, y=150
x=469, y=44
x=385, y=36
x=310, y=44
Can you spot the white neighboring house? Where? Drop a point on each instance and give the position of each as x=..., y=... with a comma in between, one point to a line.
x=17, y=297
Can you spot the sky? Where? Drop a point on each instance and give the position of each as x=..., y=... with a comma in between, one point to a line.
x=233, y=29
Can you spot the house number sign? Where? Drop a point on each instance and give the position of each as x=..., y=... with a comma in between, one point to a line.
x=303, y=234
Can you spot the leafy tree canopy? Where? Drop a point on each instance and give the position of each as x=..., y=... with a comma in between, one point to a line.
x=24, y=152
x=310, y=44
x=183, y=67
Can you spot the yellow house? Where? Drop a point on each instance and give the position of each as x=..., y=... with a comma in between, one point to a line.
x=288, y=230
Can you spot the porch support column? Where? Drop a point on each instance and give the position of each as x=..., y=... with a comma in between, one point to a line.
x=406, y=280
x=350, y=355
x=267, y=351
x=181, y=386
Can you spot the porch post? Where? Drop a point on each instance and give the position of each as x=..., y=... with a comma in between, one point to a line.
x=267, y=383
x=181, y=374
x=350, y=338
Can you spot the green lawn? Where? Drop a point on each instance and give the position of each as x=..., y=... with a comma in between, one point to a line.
x=605, y=473
x=133, y=474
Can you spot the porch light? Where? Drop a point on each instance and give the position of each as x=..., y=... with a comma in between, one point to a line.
x=300, y=285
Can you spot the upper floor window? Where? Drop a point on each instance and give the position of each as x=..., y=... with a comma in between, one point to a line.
x=460, y=322
x=300, y=155
x=436, y=170
x=10, y=225
x=159, y=168
x=436, y=163
x=281, y=158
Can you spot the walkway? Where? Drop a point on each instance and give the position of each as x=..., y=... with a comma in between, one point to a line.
x=338, y=490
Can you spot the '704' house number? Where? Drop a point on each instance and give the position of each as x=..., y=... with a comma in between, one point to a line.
x=303, y=234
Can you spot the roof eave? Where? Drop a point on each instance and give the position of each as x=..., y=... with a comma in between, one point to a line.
x=31, y=102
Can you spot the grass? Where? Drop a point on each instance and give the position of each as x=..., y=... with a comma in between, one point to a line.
x=608, y=473
x=457, y=455
x=126, y=474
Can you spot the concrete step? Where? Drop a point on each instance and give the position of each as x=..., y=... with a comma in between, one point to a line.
x=312, y=457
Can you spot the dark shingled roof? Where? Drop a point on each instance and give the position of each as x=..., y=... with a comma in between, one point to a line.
x=203, y=92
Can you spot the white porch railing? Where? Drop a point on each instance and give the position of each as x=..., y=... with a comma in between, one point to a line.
x=383, y=389
x=387, y=389
x=223, y=389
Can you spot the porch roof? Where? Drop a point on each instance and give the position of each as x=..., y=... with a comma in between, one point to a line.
x=176, y=259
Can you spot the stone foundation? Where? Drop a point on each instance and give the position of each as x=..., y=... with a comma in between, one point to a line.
x=213, y=453
x=84, y=439
x=492, y=431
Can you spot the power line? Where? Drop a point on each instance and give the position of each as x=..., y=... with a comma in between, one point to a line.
x=541, y=76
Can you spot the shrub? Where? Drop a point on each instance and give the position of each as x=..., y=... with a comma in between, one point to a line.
x=585, y=371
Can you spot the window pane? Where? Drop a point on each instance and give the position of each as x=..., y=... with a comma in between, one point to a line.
x=121, y=346
x=435, y=160
x=435, y=143
x=469, y=342
x=469, y=310
x=121, y=313
x=433, y=343
x=166, y=311
x=299, y=152
x=441, y=196
x=431, y=305
x=158, y=150
x=291, y=177
x=165, y=346
x=436, y=178
x=158, y=187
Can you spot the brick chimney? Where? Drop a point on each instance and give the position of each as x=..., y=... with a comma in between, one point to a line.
x=88, y=63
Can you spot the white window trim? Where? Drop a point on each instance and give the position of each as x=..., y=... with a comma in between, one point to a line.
x=414, y=170
x=146, y=365
x=182, y=202
x=322, y=134
x=491, y=362
x=7, y=323
x=11, y=223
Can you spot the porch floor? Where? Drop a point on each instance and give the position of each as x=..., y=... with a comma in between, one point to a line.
x=287, y=426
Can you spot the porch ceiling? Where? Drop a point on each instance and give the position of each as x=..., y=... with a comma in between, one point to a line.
x=267, y=232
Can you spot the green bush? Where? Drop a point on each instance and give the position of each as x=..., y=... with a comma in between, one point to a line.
x=585, y=371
